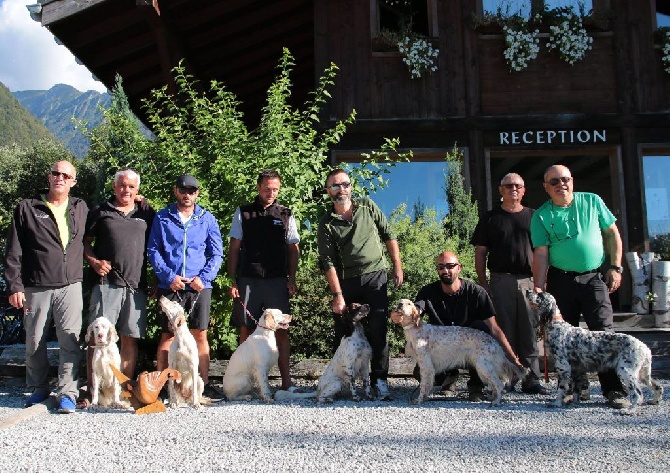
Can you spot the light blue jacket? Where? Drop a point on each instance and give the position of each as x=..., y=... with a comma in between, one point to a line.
x=190, y=249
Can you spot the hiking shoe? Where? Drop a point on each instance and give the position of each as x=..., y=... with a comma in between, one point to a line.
x=618, y=400
x=36, y=398
x=583, y=396
x=476, y=396
x=214, y=393
x=383, y=390
x=66, y=405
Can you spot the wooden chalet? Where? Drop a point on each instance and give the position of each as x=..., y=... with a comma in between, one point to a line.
x=606, y=116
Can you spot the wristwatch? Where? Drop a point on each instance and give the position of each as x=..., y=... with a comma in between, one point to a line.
x=618, y=269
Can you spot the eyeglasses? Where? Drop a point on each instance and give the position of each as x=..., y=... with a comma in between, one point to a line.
x=57, y=174
x=513, y=186
x=187, y=190
x=341, y=185
x=554, y=181
x=441, y=267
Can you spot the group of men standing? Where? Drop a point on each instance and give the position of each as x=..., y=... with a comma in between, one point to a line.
x=53, y=231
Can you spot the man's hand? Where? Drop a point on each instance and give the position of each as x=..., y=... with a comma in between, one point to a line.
x=179, y=283
x=196, y=284
x=292, y=286
x=338, y=304
x=398, y=275
x=102, y=267
x=613, y=280
x=17, y=299
x=234, y=291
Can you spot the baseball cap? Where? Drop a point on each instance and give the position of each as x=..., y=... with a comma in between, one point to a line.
x=187, y=181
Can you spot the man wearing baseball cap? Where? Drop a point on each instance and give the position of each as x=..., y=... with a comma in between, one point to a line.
x=186, y=251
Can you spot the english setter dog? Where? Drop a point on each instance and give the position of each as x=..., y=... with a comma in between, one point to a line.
x=438, y=348
x=577, y=351
x=105, y=390
x=183, y=357
x=351, y=359
x=251, y=363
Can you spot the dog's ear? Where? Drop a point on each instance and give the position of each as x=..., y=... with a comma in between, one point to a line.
x=416, y=315
x=113, y=335
x=270, y=320
x=89, y=333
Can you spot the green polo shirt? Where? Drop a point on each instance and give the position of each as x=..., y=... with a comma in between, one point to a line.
x=574, y=233
x=357, y=247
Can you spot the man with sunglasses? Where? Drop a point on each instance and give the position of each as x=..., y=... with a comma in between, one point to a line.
x=44, y=270
x=186, y=251
x=502, y=243
x=573, y=233
x=350, y=237
x=262, y=261
x=454, y=301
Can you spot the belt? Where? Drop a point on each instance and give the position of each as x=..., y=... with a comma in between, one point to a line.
x=518, y=276
x=574, y=273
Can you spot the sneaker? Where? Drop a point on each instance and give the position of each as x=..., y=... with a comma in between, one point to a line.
x=214, y=393
x=476, y=396
x=36, y=398
x=66, y=405
x=383, y=390
x=618, y=400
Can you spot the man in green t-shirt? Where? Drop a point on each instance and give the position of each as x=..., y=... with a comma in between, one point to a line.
x=572, y=233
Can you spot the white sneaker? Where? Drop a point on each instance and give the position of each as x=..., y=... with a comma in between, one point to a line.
x=383, y=390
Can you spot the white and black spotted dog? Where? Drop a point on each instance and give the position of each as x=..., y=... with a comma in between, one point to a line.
x=578, y=351
x=351, y=360
x=437, y=348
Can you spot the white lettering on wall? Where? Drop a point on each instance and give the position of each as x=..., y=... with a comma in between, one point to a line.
x=539, y=137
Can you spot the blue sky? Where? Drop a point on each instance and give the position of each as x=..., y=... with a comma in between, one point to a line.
x=30, y=59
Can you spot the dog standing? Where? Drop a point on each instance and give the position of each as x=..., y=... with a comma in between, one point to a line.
x=183, y=357
x=577, y=351
x=251, y=363
x=439, y=348
x=351, y=359
x=105, y=390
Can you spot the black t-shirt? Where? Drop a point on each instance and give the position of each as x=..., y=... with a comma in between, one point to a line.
x=507, y=237
x=469, y=304
x=122, y=239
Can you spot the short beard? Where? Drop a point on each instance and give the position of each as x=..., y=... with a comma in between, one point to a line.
x=341, y=200
x=447, y=279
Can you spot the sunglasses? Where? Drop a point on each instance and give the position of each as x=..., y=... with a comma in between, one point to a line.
x=66, y=177
x=441, y=266
x=341, y=185
x=187, y=190
x=556, y=180
x=513, y=186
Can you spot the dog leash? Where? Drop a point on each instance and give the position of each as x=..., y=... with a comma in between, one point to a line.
x=187, y=314
x=239, y=299
x=546, y=364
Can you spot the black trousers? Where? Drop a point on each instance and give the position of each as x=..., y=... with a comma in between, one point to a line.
x=371, y=289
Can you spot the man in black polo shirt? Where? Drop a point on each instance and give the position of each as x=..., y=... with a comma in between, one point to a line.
x=263, y=260
x=115, y=247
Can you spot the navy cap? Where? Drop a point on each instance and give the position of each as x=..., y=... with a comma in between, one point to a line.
x=187, y=181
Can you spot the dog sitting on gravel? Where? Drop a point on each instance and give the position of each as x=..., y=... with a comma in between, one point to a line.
x=105, y=390
x=577, y=351
x=351, y=359
x=438, y=348
x=251, y=363
x=183, y=357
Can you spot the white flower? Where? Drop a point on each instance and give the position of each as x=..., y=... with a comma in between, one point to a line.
x=418, y=55
x=522, y=47
x=666, y=51
x=570, y=39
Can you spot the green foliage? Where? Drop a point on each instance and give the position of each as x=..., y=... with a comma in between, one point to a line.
x=660, y=245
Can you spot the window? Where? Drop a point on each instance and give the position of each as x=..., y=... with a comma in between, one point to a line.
x=662, y=13
x=523, y=7
x=403, y=18
x=656, y=169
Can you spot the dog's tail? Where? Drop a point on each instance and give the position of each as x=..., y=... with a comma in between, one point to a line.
x=284, y=395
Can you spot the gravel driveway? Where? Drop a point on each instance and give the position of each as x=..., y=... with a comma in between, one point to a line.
x=447, y=433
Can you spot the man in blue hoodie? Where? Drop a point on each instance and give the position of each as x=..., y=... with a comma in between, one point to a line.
x=186, y=251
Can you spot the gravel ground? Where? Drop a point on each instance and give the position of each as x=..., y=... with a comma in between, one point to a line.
x=447, y=433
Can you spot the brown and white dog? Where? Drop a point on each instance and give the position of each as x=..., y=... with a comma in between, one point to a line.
x=250, y=364
x=577, y=351
x=351, y=360
x=438, y=348
x=105, y=390
x=183, y=357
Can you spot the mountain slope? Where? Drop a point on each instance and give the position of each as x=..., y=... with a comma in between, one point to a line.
x=17, y=125
x=59, y=106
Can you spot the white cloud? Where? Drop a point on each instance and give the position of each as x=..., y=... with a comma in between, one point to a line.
x=30, y=59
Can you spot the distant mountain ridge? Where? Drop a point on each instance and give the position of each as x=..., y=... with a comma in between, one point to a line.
x=56, y=107
x=17, y=125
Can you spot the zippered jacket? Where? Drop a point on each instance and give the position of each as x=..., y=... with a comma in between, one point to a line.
x=190, y=249
x=34, y=255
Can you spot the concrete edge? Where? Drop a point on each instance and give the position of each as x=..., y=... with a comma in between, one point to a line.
x=27, y=413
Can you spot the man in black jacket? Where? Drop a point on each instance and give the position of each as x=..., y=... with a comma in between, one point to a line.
x=262, y=261
x=43, y=270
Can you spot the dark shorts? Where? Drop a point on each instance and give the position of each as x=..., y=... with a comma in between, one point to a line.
x=258, y=294
x=198, y=315
x=124, y=307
